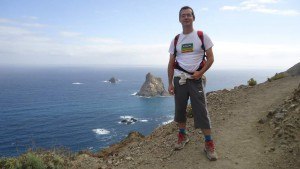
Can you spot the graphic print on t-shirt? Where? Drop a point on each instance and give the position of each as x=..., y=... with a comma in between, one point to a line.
x=188, y=47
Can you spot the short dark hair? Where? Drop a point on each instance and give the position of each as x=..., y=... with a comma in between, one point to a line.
x=187, y=7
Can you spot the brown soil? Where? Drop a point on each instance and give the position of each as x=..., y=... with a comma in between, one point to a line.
x=253, y=127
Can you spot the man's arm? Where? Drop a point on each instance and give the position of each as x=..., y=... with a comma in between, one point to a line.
x=171, y=73
x=210, y=61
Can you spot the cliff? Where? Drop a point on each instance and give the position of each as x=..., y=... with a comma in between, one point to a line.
x=253, y=127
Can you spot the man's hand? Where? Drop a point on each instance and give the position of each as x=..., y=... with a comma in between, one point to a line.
x=197, y=75
x=171, y=89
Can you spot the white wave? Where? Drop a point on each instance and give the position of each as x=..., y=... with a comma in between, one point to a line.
x=101, y=131
x=77, y=83
x=167, y=122
x=134, y=94
x=106, y=81
x=146, y=97
x=144, y=120
x=126, y=117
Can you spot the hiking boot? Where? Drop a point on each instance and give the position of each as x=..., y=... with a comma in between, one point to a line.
x=209, y=149
x=182, y=140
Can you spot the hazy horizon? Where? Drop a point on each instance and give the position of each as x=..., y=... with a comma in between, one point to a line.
x=252, y=34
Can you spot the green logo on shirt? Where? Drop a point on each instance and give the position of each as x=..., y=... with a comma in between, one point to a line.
x=188, y=47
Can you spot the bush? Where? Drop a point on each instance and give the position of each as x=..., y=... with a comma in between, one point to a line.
x=40, y=159
x=276, y=77
x=31, y=161
x=52, y=160
x=10, y=163
x=252, y=82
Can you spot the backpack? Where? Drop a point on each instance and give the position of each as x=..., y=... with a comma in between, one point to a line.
x=176, y=65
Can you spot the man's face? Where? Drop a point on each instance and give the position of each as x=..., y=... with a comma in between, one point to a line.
x=186, y=17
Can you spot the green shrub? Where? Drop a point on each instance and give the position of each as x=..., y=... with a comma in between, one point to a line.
x=32, y=161
x=52, y=160
x=39, y=159
x=276, y=77
x=252, y=82
x=10, y=163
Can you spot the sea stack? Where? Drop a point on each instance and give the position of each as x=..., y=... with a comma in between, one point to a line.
x=113, y=80
x=153, y=86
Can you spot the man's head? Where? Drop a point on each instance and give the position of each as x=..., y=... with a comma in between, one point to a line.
x=186, y=10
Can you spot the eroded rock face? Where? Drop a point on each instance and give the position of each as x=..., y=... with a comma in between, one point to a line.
x=153, y=86
x=113, y=80
x=294, y=71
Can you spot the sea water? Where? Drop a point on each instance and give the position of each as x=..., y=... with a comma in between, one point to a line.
x=79, y=109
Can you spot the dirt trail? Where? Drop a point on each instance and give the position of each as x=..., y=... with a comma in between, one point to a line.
x=241, y=141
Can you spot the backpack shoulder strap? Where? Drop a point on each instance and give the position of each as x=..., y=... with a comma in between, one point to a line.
x=175, y=43
x=200, y=35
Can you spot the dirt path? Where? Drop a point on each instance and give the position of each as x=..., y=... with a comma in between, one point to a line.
x=241, y=141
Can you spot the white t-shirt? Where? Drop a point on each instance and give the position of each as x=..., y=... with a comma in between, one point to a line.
x=189, y=52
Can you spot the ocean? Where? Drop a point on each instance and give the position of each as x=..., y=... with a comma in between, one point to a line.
x=79, y=109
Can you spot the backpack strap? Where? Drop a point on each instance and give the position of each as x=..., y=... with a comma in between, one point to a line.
x=176, y=65
x=175, y=43
x=200, y=35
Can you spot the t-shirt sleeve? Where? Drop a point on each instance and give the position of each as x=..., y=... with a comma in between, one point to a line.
x=207, y=42
x=171, y=48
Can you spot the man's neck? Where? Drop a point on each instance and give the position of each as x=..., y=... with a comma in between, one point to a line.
x=187, y=30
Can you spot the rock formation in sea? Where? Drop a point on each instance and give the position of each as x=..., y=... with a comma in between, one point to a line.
x=129, y=120
x=153, y=86
x=113, y=80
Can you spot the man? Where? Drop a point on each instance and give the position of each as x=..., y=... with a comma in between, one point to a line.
x=185, y=81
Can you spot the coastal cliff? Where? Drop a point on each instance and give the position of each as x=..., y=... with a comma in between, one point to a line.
x=253, y=127
x=262, y=120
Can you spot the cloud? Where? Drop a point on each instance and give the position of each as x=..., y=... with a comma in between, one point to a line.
x=4, y=20
x=34, y=25
x=69, y=34
x=31, y=17
x=250, y=55
x=204, y=9
x=102, y=40
x=22, y=46
x=12, y=32
x=262, y=1
x=260, y=6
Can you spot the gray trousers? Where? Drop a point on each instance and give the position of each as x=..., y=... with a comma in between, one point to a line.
x=193, y=89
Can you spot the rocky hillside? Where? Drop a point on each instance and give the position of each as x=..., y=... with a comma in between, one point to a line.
x=294, y=71
x=284, y=121
x=254, y=127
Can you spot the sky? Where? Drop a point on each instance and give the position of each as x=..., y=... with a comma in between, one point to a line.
x=254, y=34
